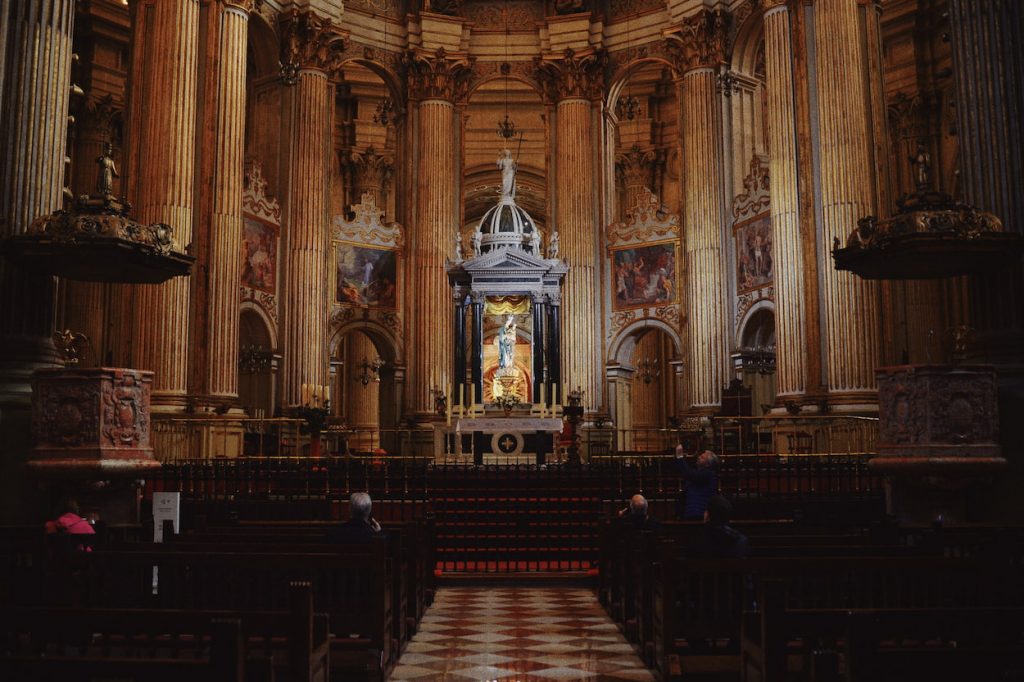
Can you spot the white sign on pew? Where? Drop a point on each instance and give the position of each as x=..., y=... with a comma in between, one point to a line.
x=166, y=507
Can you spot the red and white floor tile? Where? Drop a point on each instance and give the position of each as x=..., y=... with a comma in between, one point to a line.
x=518, y=634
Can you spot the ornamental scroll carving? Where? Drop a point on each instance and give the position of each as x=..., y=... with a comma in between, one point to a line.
x=366, y=226
x=515, y=15
x=573, y=75
x=755, y=197
x=937, y=411
x=439, y=76
x=702, y=40
x=309, y=41
x=255, y=199
x=646, y=221
x=91, y=414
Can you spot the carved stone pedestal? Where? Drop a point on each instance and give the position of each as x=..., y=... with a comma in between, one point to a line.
x=938, y=441
x=90, y=431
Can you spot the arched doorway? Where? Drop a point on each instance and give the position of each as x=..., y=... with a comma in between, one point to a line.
x=365, y=379
x=644, y=384
x=257, y=365
x=755, y=359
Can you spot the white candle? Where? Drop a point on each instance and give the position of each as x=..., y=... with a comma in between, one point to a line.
x=327, y=392
x=472, y=394
x=305, y=394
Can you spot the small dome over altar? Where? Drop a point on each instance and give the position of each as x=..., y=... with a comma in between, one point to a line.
x=506, y=225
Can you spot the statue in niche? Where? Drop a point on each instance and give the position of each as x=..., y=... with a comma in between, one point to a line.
x=922, y=161
x=107, y=171
x=507, y=343
x=508, y=174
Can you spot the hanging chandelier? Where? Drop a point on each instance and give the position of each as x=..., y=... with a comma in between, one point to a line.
x=649, y=369
x=370, y=371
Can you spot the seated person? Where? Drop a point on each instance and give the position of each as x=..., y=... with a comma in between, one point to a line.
x=720, y=540
x=66, y=525
x=636, y=514
x=361, y=527
x=701, y=482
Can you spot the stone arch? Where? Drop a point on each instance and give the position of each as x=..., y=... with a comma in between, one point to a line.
x=379, y=431
x=753, y=320
x=622, y=72
x=264, y=48
x=485, y=78
x=620, y=352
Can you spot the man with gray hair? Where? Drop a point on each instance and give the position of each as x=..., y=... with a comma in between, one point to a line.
x=361, y=527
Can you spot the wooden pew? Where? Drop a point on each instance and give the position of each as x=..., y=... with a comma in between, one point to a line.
x=353, y=588
x=982, y=643
x=225, y=662
x=698, y=603
x=294, y=643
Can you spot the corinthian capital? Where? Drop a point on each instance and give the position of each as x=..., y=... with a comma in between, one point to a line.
x=309, y=41
x=573, y=75
x=440, y=76
x=373, y=170
x=701, y=41
x=636, y=167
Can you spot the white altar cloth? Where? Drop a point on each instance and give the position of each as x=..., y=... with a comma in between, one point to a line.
x=508, y=425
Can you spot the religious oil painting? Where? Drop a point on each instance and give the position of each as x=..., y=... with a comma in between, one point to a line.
x=754, y=267
x=259, y=256
x=644, y=275
x=365, y=275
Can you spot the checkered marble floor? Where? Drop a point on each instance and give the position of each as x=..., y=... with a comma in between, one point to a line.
x=518, y=634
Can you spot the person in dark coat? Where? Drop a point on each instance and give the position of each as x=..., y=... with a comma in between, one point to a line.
x=361, y=527
x=701, y=482
x=636, y=514
x=720, y=540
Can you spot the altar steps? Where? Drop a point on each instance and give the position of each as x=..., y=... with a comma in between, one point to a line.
x=517, y=535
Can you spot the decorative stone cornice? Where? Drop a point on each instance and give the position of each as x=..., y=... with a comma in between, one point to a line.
x=437, y=76
x=701, y=41
x=246, y=6
x=309, y=41
x=636, y=166
x=573, y=75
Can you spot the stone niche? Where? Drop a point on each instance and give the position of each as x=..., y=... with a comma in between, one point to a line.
x=938, y=411
x=91, y=422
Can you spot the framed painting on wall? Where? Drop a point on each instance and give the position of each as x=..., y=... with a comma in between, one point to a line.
x=754, y=266
x=644, y=275
x=259, y=255
x=365, y=275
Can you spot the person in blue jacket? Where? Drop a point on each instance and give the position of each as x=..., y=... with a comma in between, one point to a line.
x=701, y=482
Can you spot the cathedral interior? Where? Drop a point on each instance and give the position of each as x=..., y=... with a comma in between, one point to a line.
x=292, y=229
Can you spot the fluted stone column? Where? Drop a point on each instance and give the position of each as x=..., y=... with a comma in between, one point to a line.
x=790, y=322
x=700, y=49
x=225, y=185
x=575, y=82
x=35, y=86
x=989, y=75
x=162, y=142
x=310, y=53
x=435, y=82
x=849, y=304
